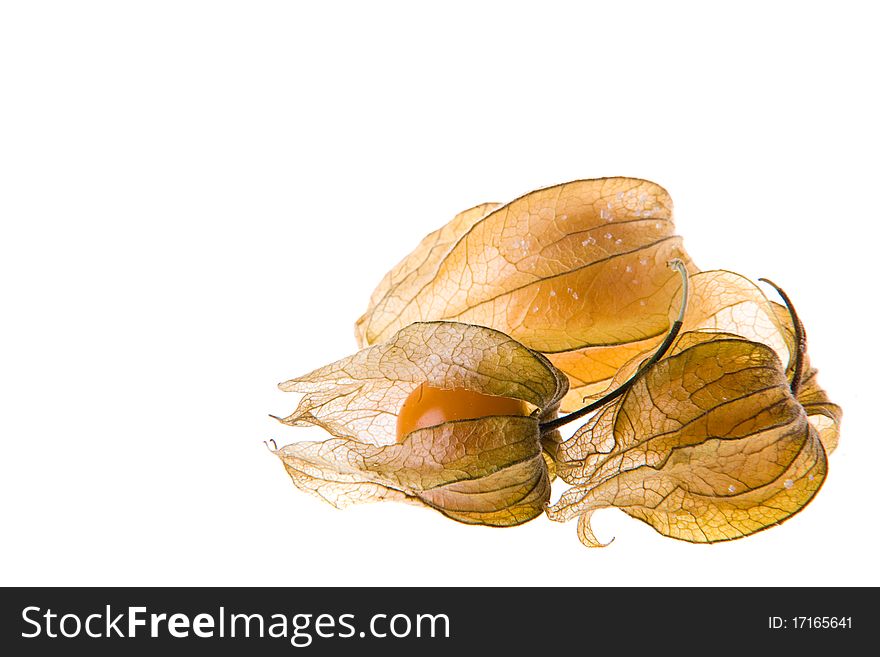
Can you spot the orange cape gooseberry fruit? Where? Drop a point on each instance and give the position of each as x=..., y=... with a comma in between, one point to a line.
x=428, y=406
x=475, y=340
x=442, y=414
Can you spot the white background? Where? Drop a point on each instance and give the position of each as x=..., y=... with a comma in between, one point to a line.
x=197, y=199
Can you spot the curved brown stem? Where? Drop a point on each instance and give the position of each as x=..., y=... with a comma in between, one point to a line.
x=800, y=337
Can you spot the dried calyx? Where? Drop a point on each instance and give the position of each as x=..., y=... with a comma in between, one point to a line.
x=714, y=441
x=433, y=416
